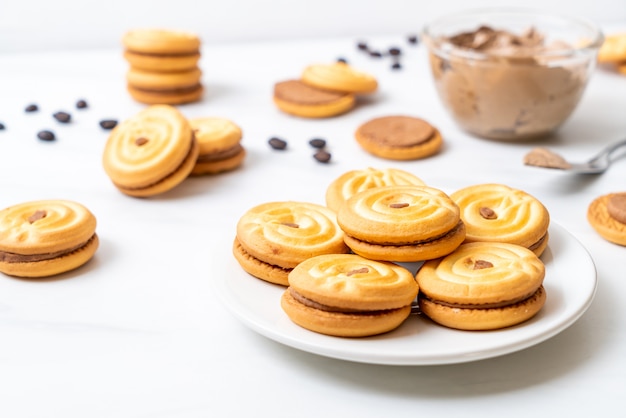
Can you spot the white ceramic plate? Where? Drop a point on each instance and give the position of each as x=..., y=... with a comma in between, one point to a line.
x=570, y=285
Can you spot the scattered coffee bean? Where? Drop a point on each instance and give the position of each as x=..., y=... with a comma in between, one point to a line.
x=277, y=143
x=108, y=123
x=322, y=156
x=62, y=117
x=31, y=108
x=341, y=59
x=2, y=127
x=396, y=66
x=46, y=136
x=376, y=54
x=81, y=104
x=362, y=46
x=317, y=143
x=394, y=51
x=413, y=39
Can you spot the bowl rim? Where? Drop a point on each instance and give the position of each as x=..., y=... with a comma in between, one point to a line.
x=591, y=46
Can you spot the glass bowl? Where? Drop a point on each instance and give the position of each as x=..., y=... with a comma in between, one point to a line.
x=511, y=74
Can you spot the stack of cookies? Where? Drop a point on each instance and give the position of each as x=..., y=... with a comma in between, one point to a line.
x=323, y=90
x=163, y=66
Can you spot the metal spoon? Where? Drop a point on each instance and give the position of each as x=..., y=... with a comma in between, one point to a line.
x=544, y=158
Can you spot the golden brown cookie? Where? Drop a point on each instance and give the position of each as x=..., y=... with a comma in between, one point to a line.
x=613, y=49
x=339, y=76
x=354, y=181
x=165, y=88
x=607, y=215
x=272, y=238
x=346, y=295
x=298, y=99
x=482, y=286
x=399, y=138
x=496, y=212
x=219, y=145
x=401, y=223
x=157, y=41
x=162, y=63
x=46, y=237
x=151, y=152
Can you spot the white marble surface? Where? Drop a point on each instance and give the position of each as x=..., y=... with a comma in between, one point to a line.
x=140, y=331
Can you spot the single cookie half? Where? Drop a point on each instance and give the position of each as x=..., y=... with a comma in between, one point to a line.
x=157, y=41
x=339, y=76
x=354, y=181
x=347, y=295
x=613, y=49
x=401, y=223
x=46, y=237
x=272, y=238
x=607, y=215
x=162, y=63
x=219, y=145
x=298, y=99
x=399, y=138
x=482, y=286
x=496, y=212
x=151, y=152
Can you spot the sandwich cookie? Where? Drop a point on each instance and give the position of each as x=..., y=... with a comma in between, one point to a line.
x=219, y=145
x=151, y=152
x=495, y=212
x=607, y=215
x=296, y=98
x=355, y=181
x=399, y=138
x=339, y=76
x=165, y=88
x=401, y=223
x=45, y=238
x=482, y=286
x=274, y=237
x=346, y=295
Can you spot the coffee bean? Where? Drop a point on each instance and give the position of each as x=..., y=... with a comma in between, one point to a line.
x=362, y=46
x=46, y=135
x=81, y=104
x=317, y=143
x=322, y=156
x=394, y=51
x=277, y=143
x=396, y=66
x=413, y=39
x=376, y=54
x=2, y=127
x=108, y=123
x=62, y=117
x=343, y=60
x=31, y=108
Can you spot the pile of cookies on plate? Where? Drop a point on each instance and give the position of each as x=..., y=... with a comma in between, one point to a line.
x=345, y=264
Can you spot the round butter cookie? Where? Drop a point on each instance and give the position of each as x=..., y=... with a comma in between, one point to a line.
x=607, y=215
x=272, y=238
x=399, y=138
x=219, y=145
x=482, y=286
x=165, y=88
x=339, y=76
x=613, y=49
x=346, y=295
x=401, y=223
x=495, y=212
x=151, y=152
x=47, y=237
x=352, y=182
x=158, y=41
x=296, y=98
x=162, y=63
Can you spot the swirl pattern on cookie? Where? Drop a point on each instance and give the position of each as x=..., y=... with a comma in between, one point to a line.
x=143, y=148
x=483, y=273
x=45, y=226
x=350, y=281
x=495, y=212
x=355, y=181
x=286, y=233
x=339, y=77
x=416, y=213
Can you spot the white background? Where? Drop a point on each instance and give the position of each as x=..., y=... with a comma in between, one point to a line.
x=44, y=24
